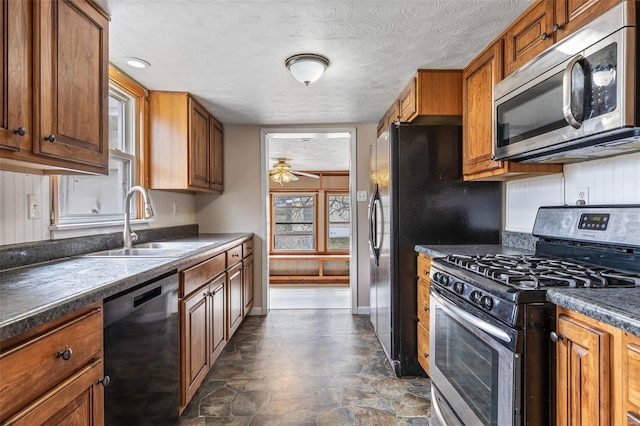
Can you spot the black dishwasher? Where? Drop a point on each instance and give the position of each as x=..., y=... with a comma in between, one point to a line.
x=141, y=354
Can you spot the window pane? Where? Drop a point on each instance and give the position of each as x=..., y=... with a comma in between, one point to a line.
x=95, y=195
x=294, y=228
x=338, y=236
x=294, y=242
x=294, y=215
x=116, y=124
x=339, y=208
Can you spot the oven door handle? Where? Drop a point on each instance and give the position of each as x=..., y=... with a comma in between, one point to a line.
x=436, y=407
x=470, y=319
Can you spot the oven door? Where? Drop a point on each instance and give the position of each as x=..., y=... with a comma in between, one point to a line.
x=473, y=367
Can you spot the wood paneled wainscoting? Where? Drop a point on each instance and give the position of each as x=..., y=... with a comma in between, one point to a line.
x=304, y=269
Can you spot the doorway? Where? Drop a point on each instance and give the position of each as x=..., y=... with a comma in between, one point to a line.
x=309, y=221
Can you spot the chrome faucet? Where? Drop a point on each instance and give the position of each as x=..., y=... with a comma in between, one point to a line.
x=128, y=236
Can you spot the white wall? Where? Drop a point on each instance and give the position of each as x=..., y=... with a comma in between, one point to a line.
x=15, y=227
x=238, y=209
x=614, y=180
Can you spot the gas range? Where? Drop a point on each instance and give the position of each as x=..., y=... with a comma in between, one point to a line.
x=491, y=359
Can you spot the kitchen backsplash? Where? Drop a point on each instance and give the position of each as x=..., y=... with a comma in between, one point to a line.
x=170, y=208
x=607, y=181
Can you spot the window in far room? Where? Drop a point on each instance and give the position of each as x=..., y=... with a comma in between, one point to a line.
x=294, y=222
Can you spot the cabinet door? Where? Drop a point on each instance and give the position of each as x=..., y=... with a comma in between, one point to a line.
x=582, y=374
x=528, y=36
x=78, y=401
x=15, y=76
x=571, y=15
x=198, y=145
x=215, y=161
x=73, y=53
x=247, y=284
x=194, y=351
x=477, y=131
x=423, y=347
x=235, y=306
x=217, y=314
x=632, y=378
x=407, y=101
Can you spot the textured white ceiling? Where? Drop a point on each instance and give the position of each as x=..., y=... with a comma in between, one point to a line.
x=230, y=53
x=314, y=152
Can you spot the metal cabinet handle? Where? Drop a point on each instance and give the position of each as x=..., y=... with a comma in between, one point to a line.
x=426, y=355
x=632, y=417
x=555, y=336
x=426, y=272
x=50, y=138
x=65, y=355
x=544, y=36
x=20, y=131
x=426, y=308
x=556, y=27
x=104, y=381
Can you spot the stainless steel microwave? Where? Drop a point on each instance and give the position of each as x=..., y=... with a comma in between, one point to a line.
x=577, y=100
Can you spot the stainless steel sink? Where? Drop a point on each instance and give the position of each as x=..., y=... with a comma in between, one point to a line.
x=142, y=252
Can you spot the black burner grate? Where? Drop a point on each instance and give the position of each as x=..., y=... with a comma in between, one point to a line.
x=530, y=271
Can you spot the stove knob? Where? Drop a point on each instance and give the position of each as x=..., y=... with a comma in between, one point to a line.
x=487, y=302
x=475, y=296
x=458, y=287
x=436, y=276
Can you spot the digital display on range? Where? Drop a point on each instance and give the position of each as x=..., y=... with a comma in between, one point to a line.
x=594, y=221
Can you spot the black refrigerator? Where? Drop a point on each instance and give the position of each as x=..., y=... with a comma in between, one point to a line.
x=418, y=197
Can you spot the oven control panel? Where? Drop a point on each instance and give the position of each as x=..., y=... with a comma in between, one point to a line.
x=483, y=300
x=594, y=221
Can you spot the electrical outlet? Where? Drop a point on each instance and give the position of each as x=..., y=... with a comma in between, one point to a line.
x=33, y=206
x=361, y=195
x=582, y=193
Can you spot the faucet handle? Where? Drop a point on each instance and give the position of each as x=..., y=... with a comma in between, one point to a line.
x=134, y=237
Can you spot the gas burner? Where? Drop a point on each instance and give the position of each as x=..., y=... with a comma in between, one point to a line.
x=534, y=272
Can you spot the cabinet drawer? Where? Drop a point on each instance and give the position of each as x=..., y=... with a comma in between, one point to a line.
x=247, y=248
x=194, y=277
x=234, y=255
x=33, y=367
x=632, y=376
x=423, y=303
x=424, y=266
x=423, y=347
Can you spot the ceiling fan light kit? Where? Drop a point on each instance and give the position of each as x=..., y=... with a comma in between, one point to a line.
x=307, y=68
x=282, y=173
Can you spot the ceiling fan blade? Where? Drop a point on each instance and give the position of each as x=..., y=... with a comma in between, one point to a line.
x=311, y=175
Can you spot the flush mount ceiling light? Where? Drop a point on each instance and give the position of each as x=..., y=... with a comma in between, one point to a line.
x=307, y=67
x=137, y=63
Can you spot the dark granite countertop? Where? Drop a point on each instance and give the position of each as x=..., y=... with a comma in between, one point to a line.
x=469, y=249
x=619, y=307
x=35, y=294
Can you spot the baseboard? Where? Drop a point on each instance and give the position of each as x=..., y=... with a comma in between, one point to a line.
x=258, y=311
x=363, y=310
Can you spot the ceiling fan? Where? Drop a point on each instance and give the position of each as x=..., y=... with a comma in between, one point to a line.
x=282, y=173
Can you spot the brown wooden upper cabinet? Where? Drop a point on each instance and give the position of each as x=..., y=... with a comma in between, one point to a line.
x=479, y=77
x=546, y=22
x=430, y=97
x=186, y=144
x=62, y=47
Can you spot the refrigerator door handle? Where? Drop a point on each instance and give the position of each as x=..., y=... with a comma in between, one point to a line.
x=373, y=223
x=376, y=207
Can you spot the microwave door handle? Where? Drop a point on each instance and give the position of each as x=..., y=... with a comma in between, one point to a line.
x=567, y=83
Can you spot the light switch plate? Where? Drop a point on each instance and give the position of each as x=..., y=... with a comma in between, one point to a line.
x=33, y=206
x=361, y=196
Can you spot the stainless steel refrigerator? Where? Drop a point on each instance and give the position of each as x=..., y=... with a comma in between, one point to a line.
x=418, y=197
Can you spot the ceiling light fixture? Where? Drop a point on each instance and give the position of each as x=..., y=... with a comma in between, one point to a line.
x=137, y=63
x=307, y=67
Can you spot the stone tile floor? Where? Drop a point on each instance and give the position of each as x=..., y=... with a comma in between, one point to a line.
x=307, y=367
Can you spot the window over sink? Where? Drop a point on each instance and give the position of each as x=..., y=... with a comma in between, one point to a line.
x=92, y=199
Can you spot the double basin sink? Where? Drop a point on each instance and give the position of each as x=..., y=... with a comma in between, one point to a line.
x=156, y=249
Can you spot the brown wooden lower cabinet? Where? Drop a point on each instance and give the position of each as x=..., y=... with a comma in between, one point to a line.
x=235, y=306
x=423, y=310
x=597, y=372
x=212, y=307
x=53, y=373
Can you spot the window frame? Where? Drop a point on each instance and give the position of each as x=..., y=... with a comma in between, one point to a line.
x=120, y=83
x=272, y=248
x=327, y=194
